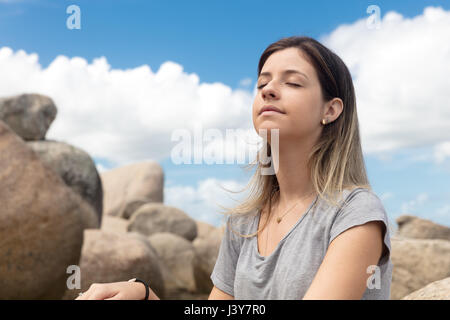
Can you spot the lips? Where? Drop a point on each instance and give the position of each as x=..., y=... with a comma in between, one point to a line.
x=270, y=108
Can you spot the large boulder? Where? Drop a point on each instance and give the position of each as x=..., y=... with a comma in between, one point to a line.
x=28, y=115
x=114, y=224
x=156, y=217
x=413, y=227
x=41, y=224
x=437, y=290
x=177, y=254
x=113, y=257
x=417, y=262
x=204, y=229
x=75, y=167
x=128, y=187
x=206, y=247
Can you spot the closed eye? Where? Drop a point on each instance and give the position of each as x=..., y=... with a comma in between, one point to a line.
x=289, y=83
x=261, y=86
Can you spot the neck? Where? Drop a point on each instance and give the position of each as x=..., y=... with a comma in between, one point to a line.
x=293, y=174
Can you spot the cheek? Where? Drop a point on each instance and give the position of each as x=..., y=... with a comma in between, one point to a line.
x=254, y=108
x=257, y=104
x=254, y=112
x=304, y=110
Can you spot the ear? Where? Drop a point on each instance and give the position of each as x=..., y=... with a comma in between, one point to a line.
x=333, y=109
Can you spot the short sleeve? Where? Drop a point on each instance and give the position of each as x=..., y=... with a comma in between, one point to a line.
x=225, y=268
x=359, y=208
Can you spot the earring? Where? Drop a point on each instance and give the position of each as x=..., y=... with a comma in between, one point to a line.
x=324, y=122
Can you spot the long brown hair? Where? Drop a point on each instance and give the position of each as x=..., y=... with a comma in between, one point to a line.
x=336, y=161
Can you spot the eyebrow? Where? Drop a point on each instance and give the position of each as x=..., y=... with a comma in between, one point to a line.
x=288, y=71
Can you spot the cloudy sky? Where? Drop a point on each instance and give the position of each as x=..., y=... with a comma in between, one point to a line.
x=139, y=74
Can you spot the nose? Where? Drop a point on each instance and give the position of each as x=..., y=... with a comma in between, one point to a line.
x=268, y=92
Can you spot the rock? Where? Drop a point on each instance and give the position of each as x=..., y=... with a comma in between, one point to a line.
x=203, y=229
x=114, y=224
x=206, y=247
x=112, y=257
x=75, y=167
x=156, y=217
x=28, y=115
x=126, y=188
x=414, y=227
x=416, y=263
x=41, y=224
x=437, y=290
x=178, y=256
x=132, y=206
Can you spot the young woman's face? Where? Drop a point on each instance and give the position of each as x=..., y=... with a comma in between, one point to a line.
x=297, y=94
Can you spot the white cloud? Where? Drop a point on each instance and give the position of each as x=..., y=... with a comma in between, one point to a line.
x=411, y=206
x=421, y=207
x=123, y=115
x=386, y=195
x=442, y=151
x=100, y=168
x=444, y=211
x=202, y=202
x=401, y=78
x=246, y=82
x=400, y=73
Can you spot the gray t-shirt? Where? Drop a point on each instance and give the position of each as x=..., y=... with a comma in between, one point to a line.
x=288, y=271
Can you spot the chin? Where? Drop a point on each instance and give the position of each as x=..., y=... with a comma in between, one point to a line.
x=268, y=129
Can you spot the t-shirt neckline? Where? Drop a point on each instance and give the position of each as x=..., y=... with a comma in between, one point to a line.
x=255, y=242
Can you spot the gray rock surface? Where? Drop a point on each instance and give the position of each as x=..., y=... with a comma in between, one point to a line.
x=28, y=115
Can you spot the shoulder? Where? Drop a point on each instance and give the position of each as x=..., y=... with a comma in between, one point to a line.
x=359, y=206
x=360, y=198
x=237, y=226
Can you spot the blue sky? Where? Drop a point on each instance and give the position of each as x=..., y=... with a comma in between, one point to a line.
x=220, y=42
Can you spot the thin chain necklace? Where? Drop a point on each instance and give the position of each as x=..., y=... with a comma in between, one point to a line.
x=279, y=218
x=286, y=212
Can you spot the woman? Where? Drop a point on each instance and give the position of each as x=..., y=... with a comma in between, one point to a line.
x=314, y=229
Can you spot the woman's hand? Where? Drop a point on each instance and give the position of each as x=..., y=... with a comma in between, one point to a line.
x=123, y=290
